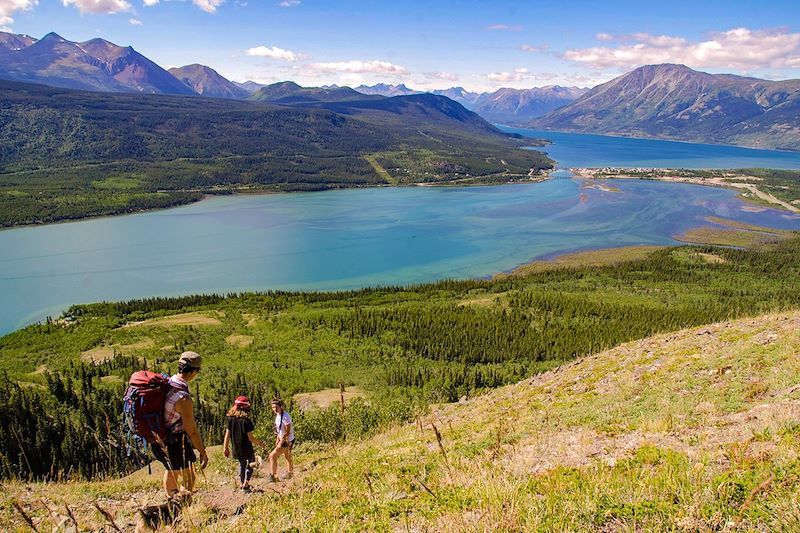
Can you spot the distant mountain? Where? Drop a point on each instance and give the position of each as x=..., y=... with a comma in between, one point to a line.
x=249, y=86
x=511, y=106
x=12, y=42
x=410, y=110
x=290, y=93
x=460, y=95
x=208, y=82
x=95, y=65
x=384, y=89
x=517, y=106
x=675, y=102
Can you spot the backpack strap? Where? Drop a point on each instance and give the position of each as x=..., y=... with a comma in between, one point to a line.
x=176, y=386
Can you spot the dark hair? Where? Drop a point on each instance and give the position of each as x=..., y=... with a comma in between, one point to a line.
x=183, y=368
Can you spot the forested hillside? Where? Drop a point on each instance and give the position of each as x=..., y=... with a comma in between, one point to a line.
x=67, y=154
x=406, y=346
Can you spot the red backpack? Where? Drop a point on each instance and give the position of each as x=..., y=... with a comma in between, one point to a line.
x=143, y=407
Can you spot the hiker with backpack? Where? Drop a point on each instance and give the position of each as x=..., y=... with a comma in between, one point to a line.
x=239, y=439
x=284, y=441
x=158, y=413
x=176, y=451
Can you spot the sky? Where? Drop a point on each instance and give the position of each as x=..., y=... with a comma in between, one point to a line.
x=479, y=45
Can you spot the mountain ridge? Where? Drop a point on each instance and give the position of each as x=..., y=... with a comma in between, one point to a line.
x=206, y=81
x=507, y=105
x=676, y=102
x=96, y=65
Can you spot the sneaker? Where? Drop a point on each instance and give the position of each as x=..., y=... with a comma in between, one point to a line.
x=247, y=489
x=273, y=479
x=288, y=475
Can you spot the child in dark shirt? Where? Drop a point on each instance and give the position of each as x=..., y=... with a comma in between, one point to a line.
x=239, y=439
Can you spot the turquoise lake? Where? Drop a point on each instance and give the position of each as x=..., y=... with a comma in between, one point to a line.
x=345, y=239
x=585, y=150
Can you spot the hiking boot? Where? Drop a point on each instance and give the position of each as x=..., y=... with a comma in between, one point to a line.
x=273, y=479
x=180, y=497
x=288, y=475
x=247, y=489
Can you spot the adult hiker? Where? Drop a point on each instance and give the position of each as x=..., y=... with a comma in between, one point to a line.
x=239, y=439
x=177, y=452
x=284, y=441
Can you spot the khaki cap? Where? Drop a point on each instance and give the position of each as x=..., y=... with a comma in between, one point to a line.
x=191, y=359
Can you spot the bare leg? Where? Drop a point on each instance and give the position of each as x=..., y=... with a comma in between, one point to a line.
x=273, y=461
x=289, y=463
x=171, y=482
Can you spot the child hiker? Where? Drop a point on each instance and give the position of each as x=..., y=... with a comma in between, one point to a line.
x=284, y=441
x=239, y=439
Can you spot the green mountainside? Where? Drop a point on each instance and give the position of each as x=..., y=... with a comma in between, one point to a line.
x=676, y=102
x=68, y=154
x=406, y=346
x=692, y=430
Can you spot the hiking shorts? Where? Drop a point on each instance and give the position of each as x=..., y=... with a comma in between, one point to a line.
x=179, y=453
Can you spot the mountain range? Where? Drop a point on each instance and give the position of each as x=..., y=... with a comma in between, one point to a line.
x=95, y=65
x=509, y=106
x=675, y=102
x=99, y=65
x=661, y=101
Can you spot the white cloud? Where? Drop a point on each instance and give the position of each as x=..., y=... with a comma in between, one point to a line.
x=446, y=76
x=604, y=37
x=209, y=6
x=135, y=22
x=740, y=48
x=274, y=53
x=504, y=27
x=150, y=3
x=9, y=7
x=518, y=74
x=289, y=3
x=351, y=80
x=531, y=48
x=357, y=67
x=99, y=7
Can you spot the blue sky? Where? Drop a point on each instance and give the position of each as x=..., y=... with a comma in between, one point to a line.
x=480, y=45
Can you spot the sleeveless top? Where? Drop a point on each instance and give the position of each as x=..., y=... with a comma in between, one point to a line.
x=179, y=390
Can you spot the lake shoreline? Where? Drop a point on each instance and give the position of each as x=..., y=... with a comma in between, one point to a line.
x=516, y=179
x=667, y=139
x=680, y=175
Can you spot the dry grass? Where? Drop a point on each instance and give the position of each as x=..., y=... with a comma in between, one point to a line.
x=185, y=319
x=251, y=320
x=325, y=398
x=240, y=341
x=104, y=353
x=711, y=258
x=589, y=258
x=728, y=237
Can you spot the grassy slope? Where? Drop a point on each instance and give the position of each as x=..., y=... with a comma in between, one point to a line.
x=695, y=430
